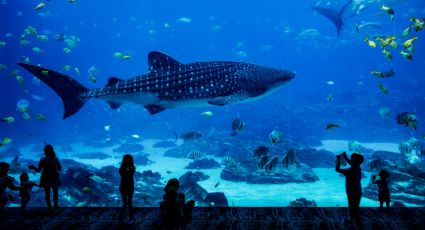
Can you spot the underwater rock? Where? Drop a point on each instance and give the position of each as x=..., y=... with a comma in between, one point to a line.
x=397, y=204
x=290, y=158
x=191, y=189
x=316, y=158
x=109, y=173
x=302, y=202
x=150, y=177
x=67, y=163
x=142, y=159
x=216, y=199
x=204, y=163
x=92, y=155
x=129, y=148
x=375, y=164
x=235, y=174
x=164, y=144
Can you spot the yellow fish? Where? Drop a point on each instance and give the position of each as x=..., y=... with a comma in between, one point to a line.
x=383, y=89
x=406, y=55
x=370, y=42
x=394, y=44
x=387, y=54
x=125, y=57
x=409, y=42
x=5, y=141
x=389, y=11
x=406, y=32
x=418, y=24
x=117, y=55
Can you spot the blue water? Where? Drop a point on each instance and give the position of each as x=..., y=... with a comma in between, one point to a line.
x=260, y=32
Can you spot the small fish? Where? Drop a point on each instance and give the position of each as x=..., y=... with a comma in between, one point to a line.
x=185, y=20
x=8, y=120
x=2, y=43
x=20, y=80
x=117, y=55
x=72, y=1
x=66, y=50
x=26, y=116
x=406, y=55
x=37, y=50
x=410, y=49
x=406, y=32
x=387, y=54
x=217, y=184
x=5, y=141
x=370, y=42
x=43, y=37
x=330, y=82
x=385, y=74
x=276, y=136
x=86, y=189
x=229, y=162
x=41, y=117
x=66, y=68
x=125, y=57
x=331, y=126
x=3, y=67
x=93, y=72
x=367, y=25
x=77, y=71
x=384, y=112
x=329, y=97
x=135, y=136
x=195, y=154
x=107, y=128
x=394, y=44
x=418, y=24
x=207, y=114
x=237, y=126
x=383, y=89
x=40, y=6
x=407, y=119
x=388, y=10
x=409, y=42
x=92, y=79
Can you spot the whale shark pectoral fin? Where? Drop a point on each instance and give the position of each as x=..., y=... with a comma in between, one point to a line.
x=114, y=104
x=158, y=60
x=227, y=100
x=154, y=109
x=113, y=81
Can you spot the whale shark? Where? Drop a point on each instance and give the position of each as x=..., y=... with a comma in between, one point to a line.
x=169, y=84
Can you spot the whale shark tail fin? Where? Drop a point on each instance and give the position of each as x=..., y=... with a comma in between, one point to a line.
x=68, y=89
x=331, y=14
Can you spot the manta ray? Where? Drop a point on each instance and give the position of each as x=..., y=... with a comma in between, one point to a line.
x=169, y=84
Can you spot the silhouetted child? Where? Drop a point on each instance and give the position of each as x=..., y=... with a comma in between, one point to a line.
x=174, y=211
x=127, y=171
x=383, y=189
x=25, y=191
x=6, y=181
x=353, y=187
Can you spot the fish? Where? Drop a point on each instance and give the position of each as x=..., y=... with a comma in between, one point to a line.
x=170, y=84
x=336, y=16
x=66, y=50
x=329, y=97
x=40, y=6
x=26, y=116
x=407, y=119
x=2, y=43
x=237, y=126
x=276, y=136
x=367, y=25
x=217, y=184
x=41, y=117
x=261, y=151
x=135, y=136
x=5, y=141
x=93, y=72
x=388, y=10
x=418, y=24
x=207, y=114
x=406, y=32
x=189, y=135
x=8, y=120
x=385, y=74
x=195, y=154
x=228, y=161
x=383, y=89
x=37, y=97
x=107, y=128
x=331, y=126
x=406, y=55
x=387, y=54
x=409, y=42
x=370, y=42
x=384, y=112
x=66, y=68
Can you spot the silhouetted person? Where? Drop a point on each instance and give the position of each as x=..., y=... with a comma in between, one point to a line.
x=6, y=181
x=383, y=189
x=174, y=211
x=49, y=166
x=127, y=171
x=25, y=191
x=353, y=187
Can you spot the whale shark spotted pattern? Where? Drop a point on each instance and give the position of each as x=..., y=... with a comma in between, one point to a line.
x=170, y=84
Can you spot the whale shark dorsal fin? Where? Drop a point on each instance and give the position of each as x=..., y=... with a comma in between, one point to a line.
x=113, y=81
x=158, y=60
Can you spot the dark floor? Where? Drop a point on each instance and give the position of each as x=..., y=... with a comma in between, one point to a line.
x=215, y=218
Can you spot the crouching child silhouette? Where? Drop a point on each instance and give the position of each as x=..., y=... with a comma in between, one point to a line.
x=174, y=211
x=353, y=187
x=383, y=190
x=25, y=191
